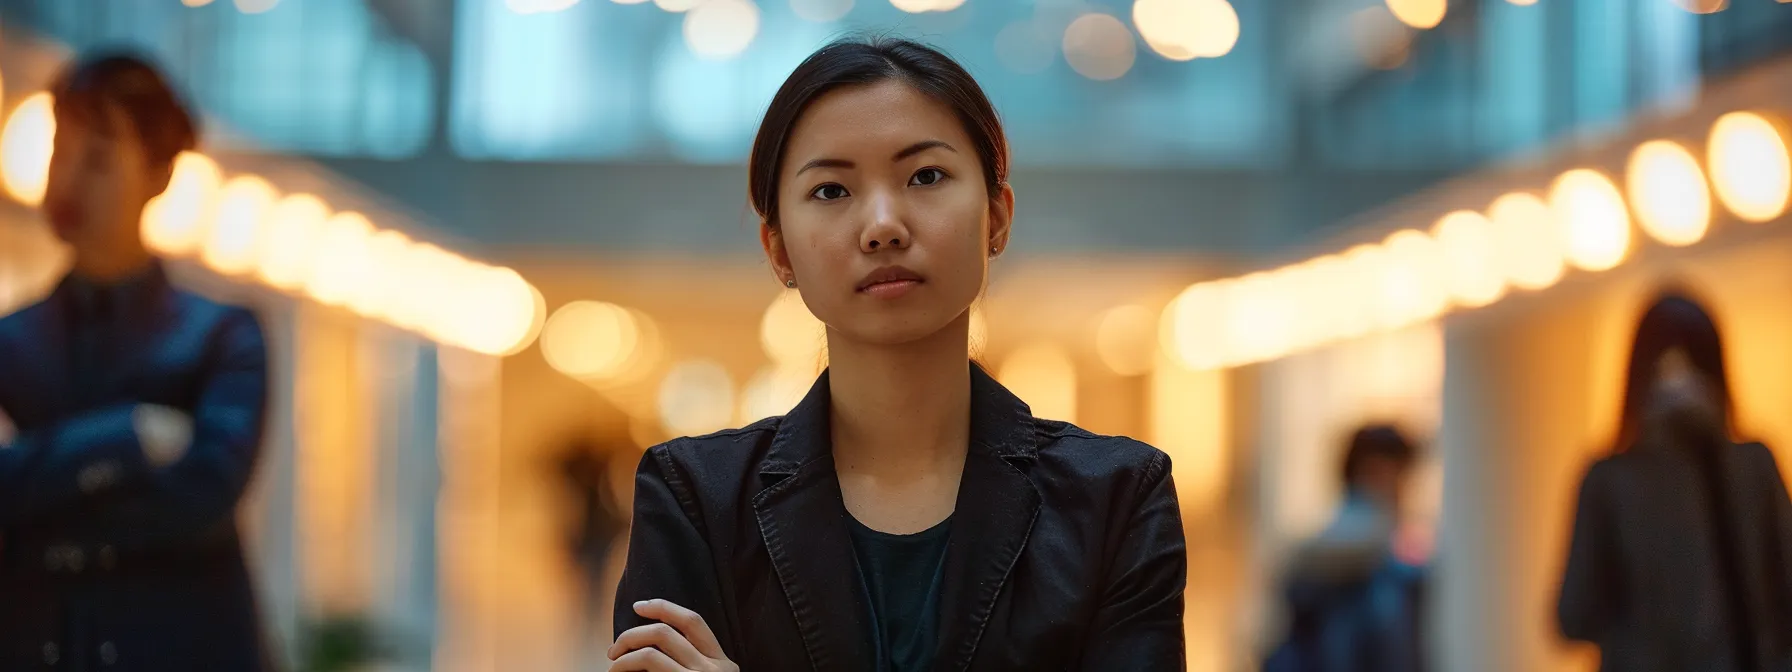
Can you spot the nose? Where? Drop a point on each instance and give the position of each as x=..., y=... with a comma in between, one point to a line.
x=886, y=228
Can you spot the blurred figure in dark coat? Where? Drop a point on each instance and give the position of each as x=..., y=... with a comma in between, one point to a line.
x=137, y=413
x=1682, y=551
x=1353, y=599
x=597, y=521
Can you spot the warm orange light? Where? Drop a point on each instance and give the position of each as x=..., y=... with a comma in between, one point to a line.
x=1412, y=280
x=1668, y=193
x=25, y=147
x=344, y=266
x=590, y=339
x=1042, y=375
x=1749, y=166
x=1420, y=14
x=1182, y=30
x=790, y=334
x=233, y=245
x=1703, y=6
x=1123, y=340
x=1191, y=329
x=1591, y=211
x=175, y=222
x=294, y=225
x=696, y=397
x=1471, y=265
x=1528, y=240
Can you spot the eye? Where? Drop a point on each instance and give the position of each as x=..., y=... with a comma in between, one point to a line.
x=828, y=192
x=926, y=177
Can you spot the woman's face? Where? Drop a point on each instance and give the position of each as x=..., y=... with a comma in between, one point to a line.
x=1682, y=397
x=884, y=220
x=98, y=184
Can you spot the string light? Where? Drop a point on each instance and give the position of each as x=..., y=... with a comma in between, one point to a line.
x=1749, y=166
x=721, y=29
x=1472, y=271
x=1420, y=14
x=1591, y=211
x=1182, y=30
x=293, y=225
x=25, y=147
x=175, y=222
x=1668, y=193
x=1528, y=240
x=590, y=340
x=232, y=246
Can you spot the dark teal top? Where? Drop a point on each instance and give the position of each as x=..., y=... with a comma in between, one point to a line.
x=901, y=575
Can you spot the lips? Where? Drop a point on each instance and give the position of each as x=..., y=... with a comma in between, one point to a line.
x=889, y=275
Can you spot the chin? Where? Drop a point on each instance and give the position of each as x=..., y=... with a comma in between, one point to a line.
x=898, y=328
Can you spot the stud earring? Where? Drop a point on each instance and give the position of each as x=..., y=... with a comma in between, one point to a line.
x=790, y=283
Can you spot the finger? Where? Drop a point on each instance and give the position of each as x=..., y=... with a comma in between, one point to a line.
x=688, y=622
x=646, y=660
x=659, y=636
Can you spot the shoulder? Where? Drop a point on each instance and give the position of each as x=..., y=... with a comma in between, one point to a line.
x=712, y=460
x=11, y=324
x=1098, y=458
x=200, y=308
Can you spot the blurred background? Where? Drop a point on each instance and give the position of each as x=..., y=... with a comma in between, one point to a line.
x=503, y=245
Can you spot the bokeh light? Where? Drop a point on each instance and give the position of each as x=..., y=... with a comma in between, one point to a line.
x=821, y=11
x=294, y=225
x=1528, y=240
x=1471, y=267
x=255, y=6
x=232, y=246
x=1123, y=339
x=1668, y=193
x=1591, y=211
x=1420, y=14
x=390, y=294
x=790, y=334
x=1044, y=377
x=343, y=265
x=1182, y=30
x=1412, y=283
x=177, y=221
x=677, y=6
x=721, y=29
x=195, y=3
x=696, y=397
x=590, y=340
x=1749, y=166
x=1703, y=6
x=774, y=390
x=25, y=147
x=503, y=312
x=1190, y=331
x=1099, y=46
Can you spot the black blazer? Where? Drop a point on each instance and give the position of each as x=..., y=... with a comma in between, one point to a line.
x=105, y=561
x=1644, y=578
x=1066, y=548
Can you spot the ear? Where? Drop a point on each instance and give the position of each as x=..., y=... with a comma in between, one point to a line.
x=773, y=241
x=1001, y=217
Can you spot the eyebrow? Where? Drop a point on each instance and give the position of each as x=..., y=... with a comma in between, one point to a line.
x=901, y=154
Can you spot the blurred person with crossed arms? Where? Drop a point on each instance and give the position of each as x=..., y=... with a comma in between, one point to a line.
x=131, y=415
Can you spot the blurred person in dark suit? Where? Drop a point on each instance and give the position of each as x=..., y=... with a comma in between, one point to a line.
x=1682, y=536
x=137, y=411
x=1353, y=597
x=597, y=522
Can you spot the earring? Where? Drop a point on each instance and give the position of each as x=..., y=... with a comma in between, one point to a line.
x=791, y=283
x=994, y=251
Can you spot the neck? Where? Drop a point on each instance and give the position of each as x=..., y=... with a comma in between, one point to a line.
x=899, y=406
x=112, y=263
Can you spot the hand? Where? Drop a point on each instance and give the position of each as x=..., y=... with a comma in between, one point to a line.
x=679, y=642
x=8, y=431
x=165, y=433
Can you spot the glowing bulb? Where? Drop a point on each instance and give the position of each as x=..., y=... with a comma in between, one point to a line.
x=696, y=397
x=1412, y=280
x=1592, y=213
x=1181, y=30
x=1192, y=328
x=1749, y=166
x=233, y=245
x=1470, y=258
x=1043, y=376
x=721, y=29
x=1123, y=340
x=1668, y=193
x=1523, y=3
x=1703, y=6
x=176, y=221
x=1528, y=240
x=1098, y=46
x=195, y=3
x=255, y=6
x=590, y=339
x=677, y=6
x=25, y=148
x=344, y=266
x=290, y=247
x=390, y=292
x=1420, y=14
x=504, y=312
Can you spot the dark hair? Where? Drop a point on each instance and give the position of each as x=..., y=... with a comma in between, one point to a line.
x=1674, y=321
x=1376, y=442
x=130, y=84
x=853, y=61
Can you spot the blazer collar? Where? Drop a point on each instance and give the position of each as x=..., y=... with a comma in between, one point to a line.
x=802, y=517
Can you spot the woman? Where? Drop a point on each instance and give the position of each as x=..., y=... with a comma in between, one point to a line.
x=139, y=411
x=909, y=513
x=1682, y=537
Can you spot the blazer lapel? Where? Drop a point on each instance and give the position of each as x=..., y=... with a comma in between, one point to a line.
x=802, y=516
x=997, y=505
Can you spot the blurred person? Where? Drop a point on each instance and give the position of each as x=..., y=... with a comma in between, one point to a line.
x=1682, y=536
x=1353, y=591
x=597, y=521
x=138, y=410
x=909, y=513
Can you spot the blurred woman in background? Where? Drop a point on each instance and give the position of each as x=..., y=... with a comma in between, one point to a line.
x=910, y=513
x=1682, y=537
